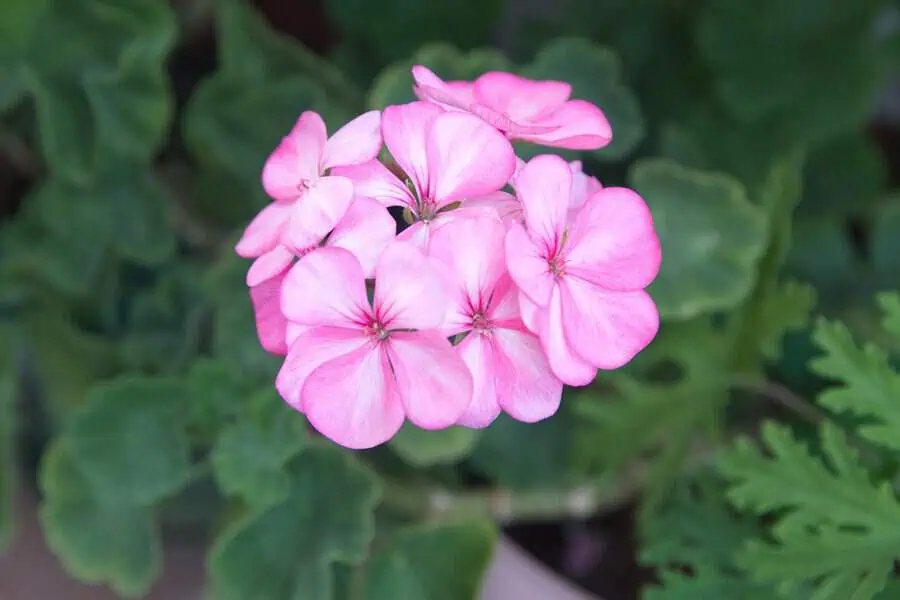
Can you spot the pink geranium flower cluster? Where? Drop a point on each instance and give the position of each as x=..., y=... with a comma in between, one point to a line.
x=511, y=279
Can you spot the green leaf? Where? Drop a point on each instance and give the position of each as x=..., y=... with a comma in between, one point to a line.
x=398, y=28
x=18, y=18
x=869, y=388
x=843, y=176
x=810, y=44
x=595, y=75
x=890, y=306
x=129, y=439
x=445, y=561
x=96, y=72
x=249, y=456
x=220, y=395
x=835, y=529
x=422, y=448
x=822, y=255
x=394, y=84
x=8, y=464
x=786, y=309
x=884, y=243
x=711, y=236
x=97, y=539
x=286, y=551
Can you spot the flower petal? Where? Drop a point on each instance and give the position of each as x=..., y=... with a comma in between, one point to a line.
x=296, y=159
x=326, y=287
x=612, y=242
x=583, y=187
x=411, y=289
x=356, y=142
x=527, y=265
x=571, y=368
x=606, y=329
x=432, y=380
x=311, y=349
x=576, y=125
x=272, y=263
x=544, y=186
x=271, y=326
x=520, y=98
x=366, y=230
x=473, y=250
x=373, y=180
x=528, y=389
x=314, y=215
x=264, y=231
x=466, y=157
x=350, y=399
x=405, y=128
x=478, y=355
x=450, y=95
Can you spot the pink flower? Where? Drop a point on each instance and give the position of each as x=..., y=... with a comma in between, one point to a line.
x=308, y=201
x=582, y=280
x=357, y=370
x=583, y=186
x=534, y=111
x=365, y=230
x=508, y=366
x=450, y=158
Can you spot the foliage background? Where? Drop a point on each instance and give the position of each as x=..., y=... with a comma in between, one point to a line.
x=131, y=139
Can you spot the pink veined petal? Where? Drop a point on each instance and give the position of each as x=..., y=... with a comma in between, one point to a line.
x=432, y=381
x=293, y=331
x=544, y=186
x=351, y=400
x=527, y=265
x=502, y=204
x=579, y=125
x=326, y=287
x=528, y=389
x=504, y=310
x=522, y=99
x=583, y=186
x=612, y=242
x=520, y=163
x=296, y=159
x=405, y=129
x=271, y=264
x=418, y=234
x=473, y=250
x=466, y=157
x=607, y=329
x=373, y=180
x=411, y=289
x=478, y=355
x=451, y=95
x=317, y=213
x=264, y=231
x=308, y=351
x=365, y=230
x=356, y=142
x=271, y=326
x=568, y=366
x=530, y=313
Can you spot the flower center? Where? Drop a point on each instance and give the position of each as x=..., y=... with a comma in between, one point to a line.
x=377, y=331
x=481, y=324
x=304, y=185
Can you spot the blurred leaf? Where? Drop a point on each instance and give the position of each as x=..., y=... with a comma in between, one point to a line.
x=786, y=309
x=18, y=18
x=249, y=456
x=286, y=551
x=220, y=395
x=432, y=562
x=885, y=243
x=595, y=75
x=8, y=464
x=844, y=176
x=96, y=72
x=423, y=448
x=711, y=236
x=809, y=44
x=527, y=455
x=129, y=441
x=822, y=256
x=394, y=84
x=98, y=539
x=398, y=28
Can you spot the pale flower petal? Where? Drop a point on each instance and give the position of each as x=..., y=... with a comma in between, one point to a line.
x=356, y=142
x=456, y=95
x=271, y=326
x=576, y=125
x=478, y=354
x=295, y=162
x=373, y=180
x=544, y=186
x=272, y=263
x=432, y=381
x=568, y=366
x=411, y=289
x=317, y=213
x=264, y=231
x=521, y=99
x=366, y=230
x=528, y=389
x=352, y=401
x=326, y=287
x=405, y=129
x=527, y=265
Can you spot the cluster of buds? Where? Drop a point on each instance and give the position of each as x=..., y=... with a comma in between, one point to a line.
x=510, y=279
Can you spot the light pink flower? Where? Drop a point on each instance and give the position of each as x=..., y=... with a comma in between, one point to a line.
x=308, y=201
x=583, y=186
x=449, y=157
x=357, y=370
x=365, y=230
x=582, y=280
x=508, y=366
x=534, y=111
